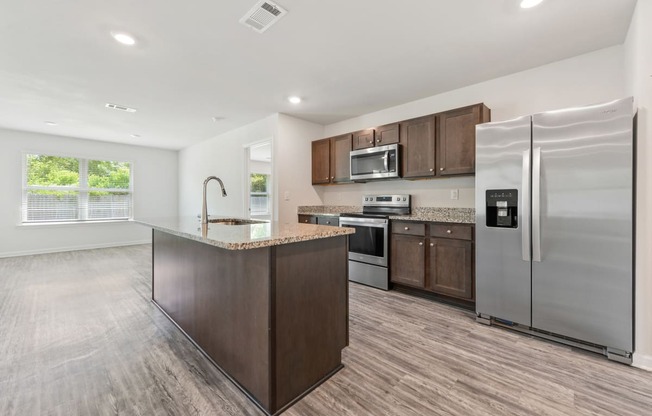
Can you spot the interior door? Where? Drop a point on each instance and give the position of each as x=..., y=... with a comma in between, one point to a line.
x=582, y=220
x=503, y=284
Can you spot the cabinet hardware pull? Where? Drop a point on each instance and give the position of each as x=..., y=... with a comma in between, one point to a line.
x=432, y=244
x=448, y=231
x=420, y=244
x=432, y=170
x=441, y=168
x=407, y=228
x=379, y=140
x=332, y=177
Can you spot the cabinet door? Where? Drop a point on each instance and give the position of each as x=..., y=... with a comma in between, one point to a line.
x=307, y=219
x=408, y=260
x=321, y=161
x=340, y=159
x=456, y=139
x=363, y=139
x=418, y=139
x=387, y=134
x=450, y=270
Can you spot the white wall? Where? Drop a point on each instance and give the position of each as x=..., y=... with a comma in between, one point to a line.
x=639, y=84
x=585, y=79
x=222, y=156
x=292, y=150
x=155, y=194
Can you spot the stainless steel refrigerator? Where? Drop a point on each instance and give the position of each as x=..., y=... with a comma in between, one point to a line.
x=555, y=226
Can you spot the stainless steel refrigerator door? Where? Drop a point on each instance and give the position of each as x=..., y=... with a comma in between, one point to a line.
x=582, y=281
x=502, y=254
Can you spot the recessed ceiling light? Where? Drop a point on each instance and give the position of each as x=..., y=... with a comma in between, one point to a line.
x=51, y=123
x=294, y=99
x=217, y=119
x=124, y=38
x=526, y=4
x=135, y=136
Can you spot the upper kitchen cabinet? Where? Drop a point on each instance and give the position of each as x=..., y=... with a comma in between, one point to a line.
x=456, y=139
x=321, y=156
x=387, y=134
x=363, y=139
x=379, y=136
x=432, y=146
x=418, y=139
x=330, y=160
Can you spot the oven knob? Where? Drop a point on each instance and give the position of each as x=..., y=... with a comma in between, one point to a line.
x=404, y=199
x=398, y=199
x=366, y=199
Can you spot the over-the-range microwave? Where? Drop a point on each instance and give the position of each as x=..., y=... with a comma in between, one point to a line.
x=381, y=162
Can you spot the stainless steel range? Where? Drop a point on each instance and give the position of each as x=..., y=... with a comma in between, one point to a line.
x=369, y=246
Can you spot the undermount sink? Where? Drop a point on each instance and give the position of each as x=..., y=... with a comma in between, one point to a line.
x=222, y=221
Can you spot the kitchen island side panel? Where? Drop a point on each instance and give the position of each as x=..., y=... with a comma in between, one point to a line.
x=221, y=299
x=311, y=313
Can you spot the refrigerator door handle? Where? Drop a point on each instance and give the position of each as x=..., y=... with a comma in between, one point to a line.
x=536, y=204
x=525, y=207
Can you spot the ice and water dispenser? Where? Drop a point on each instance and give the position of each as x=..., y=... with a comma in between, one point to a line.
x=502, y=208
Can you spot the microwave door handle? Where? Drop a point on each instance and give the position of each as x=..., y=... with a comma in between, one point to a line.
x=386, y=160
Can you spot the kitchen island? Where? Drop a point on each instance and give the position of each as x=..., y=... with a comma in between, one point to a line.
x=267, y=303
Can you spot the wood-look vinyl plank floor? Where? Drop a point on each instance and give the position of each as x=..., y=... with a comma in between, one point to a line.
x=79, y=336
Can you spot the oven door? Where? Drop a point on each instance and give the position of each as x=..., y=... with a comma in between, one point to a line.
x=369, y=243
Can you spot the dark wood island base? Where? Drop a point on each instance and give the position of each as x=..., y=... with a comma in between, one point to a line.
x=273, y=319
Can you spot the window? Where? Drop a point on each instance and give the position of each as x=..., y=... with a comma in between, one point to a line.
x=68, y=189
x=259, y=195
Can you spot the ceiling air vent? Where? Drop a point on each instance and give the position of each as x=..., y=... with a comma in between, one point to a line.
x=263, y=15
x=120, y=107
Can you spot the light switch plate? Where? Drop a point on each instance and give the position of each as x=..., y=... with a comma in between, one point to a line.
x=286, y=195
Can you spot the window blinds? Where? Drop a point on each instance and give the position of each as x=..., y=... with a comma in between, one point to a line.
x=67, y=189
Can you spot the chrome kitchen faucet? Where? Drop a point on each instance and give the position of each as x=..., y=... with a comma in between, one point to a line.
x=204, y=210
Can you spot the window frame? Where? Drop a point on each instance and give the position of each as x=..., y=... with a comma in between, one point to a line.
x=268, y=194
x=83, y=190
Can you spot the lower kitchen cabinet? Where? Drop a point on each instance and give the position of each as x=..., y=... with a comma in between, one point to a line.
x=450, y=269
x=408, y=260
x=434, y=257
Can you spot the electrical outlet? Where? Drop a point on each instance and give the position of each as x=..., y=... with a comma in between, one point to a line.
x=455, y=194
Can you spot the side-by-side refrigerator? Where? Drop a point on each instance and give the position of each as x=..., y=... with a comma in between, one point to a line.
x=555, y=226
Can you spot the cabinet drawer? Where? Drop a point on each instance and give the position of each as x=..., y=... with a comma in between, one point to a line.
x=307, y=219
x=328, y=220
x=410, y=228
x=457, y=231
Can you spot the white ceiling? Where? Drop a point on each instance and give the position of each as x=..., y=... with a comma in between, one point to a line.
x=193, y=60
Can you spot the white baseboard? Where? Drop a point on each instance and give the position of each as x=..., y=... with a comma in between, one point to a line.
x=72, y=248
x=642, y=361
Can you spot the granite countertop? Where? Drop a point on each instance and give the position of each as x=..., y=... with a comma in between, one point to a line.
x=432, y=214
x=243, y=237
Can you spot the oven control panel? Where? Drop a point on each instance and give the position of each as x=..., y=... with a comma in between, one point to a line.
x=386, y=200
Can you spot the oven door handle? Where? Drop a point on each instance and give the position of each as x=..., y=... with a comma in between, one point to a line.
x=367, y=222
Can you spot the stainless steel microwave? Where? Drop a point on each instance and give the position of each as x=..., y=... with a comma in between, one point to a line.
x=379, y=162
